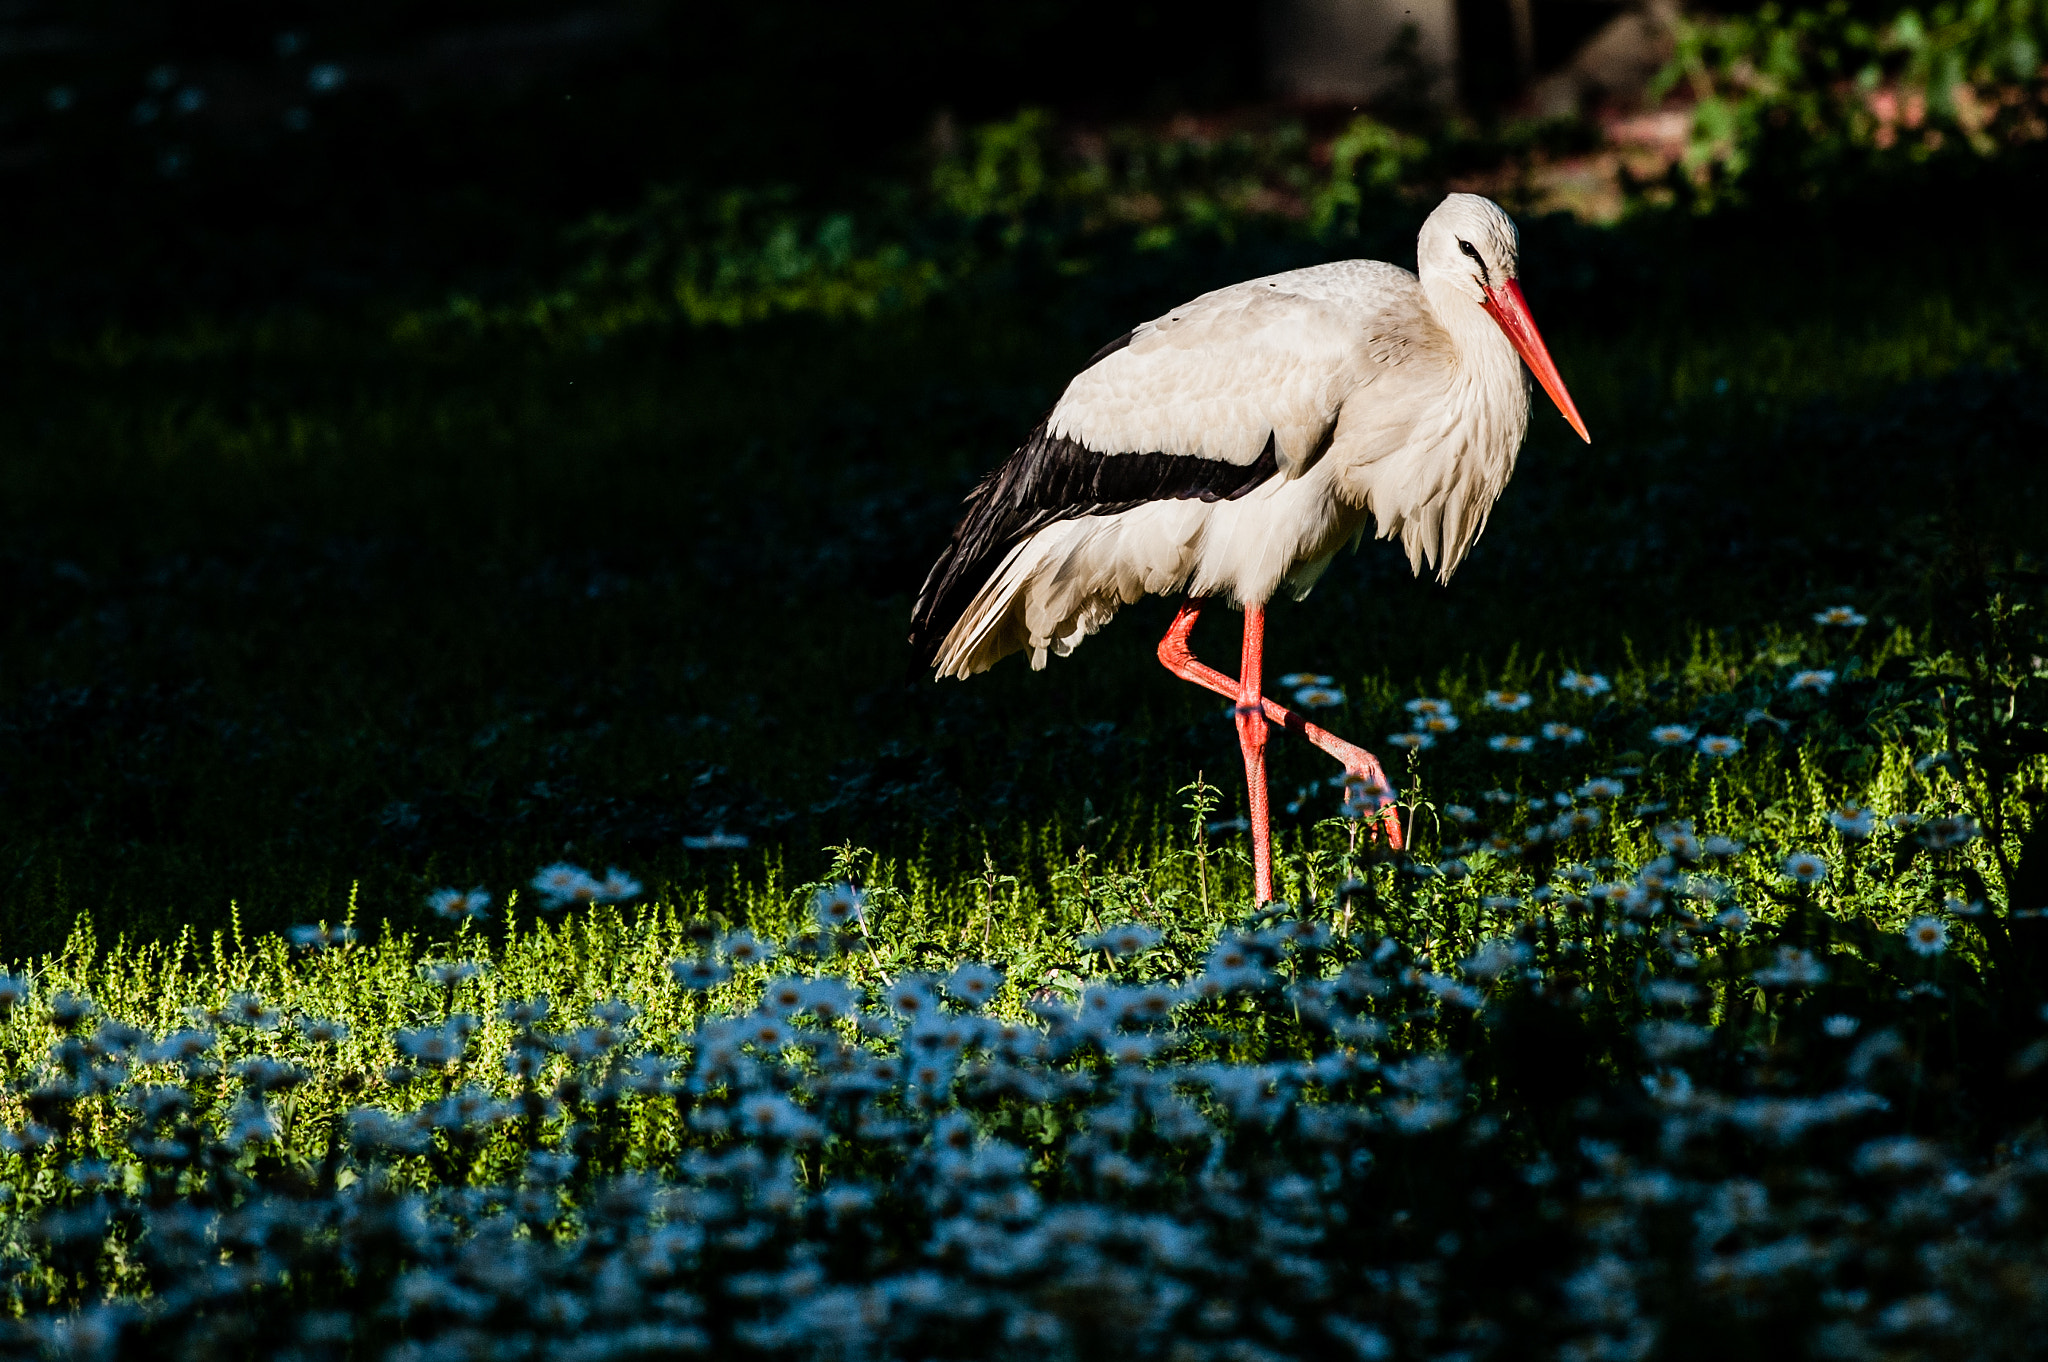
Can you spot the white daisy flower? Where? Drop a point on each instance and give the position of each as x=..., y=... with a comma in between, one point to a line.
x=839, y=905
x=1585, y=683
x=1841, y=617
x=1671, y=735
x=1804, y=867
x=458, y=903
x=1927, y=936
x=740, y=948
x=562, y=884
x=1719, y=747
x=1511, y=742
x=1509, y=701
x=973, y=984
x=1945, y=834
x=1852, y=820
x=1816, y=681
x=1318, y=697
x=1412, y=742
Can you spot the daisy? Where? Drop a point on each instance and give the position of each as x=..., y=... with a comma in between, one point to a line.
x=911, y=995
x=1679, y=841
x=1446, y=722
x=1574, y=821
x=1945, y=834
x=1425, y=706
x=1412, y=742
x=1718, y=747
x=1585, y=683
x=1816, y=681
x=1129, y=938
x=1927, y=936
x=973, y=984
x=453, y=903
x=1602, y=787
x=1852, y=820
x=1671, y=735
x=1509, y=701
x=1804, y=867
x=1364, y=797
x=1511, y=742
x=1318, y=697
x=741, y=948
x=616, y=887
x=1294, y=680
x=1841, y=616
x=321, y=1031
x=1564, y=733
x=562, y=884
x=840, y=905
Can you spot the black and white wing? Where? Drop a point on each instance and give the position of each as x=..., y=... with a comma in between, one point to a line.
x=1206, y=403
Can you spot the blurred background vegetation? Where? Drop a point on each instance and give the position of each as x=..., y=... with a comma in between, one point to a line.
x=436, y=441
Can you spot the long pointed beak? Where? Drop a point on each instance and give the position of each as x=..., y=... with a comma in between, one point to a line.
x=1511, y=312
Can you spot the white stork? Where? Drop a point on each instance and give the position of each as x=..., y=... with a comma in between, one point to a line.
x=1232, y=446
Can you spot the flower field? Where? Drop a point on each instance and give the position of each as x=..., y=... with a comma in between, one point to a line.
x=1672, y=1041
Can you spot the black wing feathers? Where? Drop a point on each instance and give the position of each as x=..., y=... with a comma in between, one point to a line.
x=1106, y=351
x=1049, y=479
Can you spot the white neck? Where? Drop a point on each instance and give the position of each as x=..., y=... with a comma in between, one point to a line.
x=1489, y=389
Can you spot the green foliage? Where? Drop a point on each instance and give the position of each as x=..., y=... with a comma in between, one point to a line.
x=1822, y=91
x=1003, y=196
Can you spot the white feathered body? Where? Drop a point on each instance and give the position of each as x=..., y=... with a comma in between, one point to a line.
x=1384, y=400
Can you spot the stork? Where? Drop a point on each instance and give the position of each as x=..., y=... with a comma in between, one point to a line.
x=1231, y=447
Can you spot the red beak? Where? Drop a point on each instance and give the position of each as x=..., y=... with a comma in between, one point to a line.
x=1511, y=312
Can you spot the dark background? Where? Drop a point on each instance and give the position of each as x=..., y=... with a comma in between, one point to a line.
x=295, y=614
x=463, y=137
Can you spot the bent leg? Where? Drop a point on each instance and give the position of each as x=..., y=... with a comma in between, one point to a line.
x=1177, y=657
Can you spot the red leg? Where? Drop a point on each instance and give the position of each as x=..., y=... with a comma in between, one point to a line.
x=1251, y=739
x=1176, y=657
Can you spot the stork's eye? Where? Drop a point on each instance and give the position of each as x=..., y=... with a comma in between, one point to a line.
x=1485, y=275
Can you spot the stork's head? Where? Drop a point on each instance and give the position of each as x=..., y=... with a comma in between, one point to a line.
x=1469, y=247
